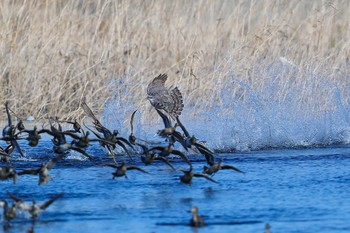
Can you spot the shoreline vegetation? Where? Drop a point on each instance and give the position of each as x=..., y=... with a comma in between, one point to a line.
x=56, y=53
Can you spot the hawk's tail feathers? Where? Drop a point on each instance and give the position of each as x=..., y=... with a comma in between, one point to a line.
x=178, y=102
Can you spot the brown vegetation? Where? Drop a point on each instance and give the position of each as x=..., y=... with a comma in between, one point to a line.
x=55, y=53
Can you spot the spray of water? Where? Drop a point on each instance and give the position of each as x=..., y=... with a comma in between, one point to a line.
x=290, y=107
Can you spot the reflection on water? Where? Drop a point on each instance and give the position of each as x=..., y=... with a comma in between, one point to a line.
x=292, y=190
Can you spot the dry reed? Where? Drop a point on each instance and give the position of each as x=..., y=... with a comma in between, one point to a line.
x=55, y=53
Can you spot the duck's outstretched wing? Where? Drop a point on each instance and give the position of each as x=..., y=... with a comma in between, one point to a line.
x=166, y=120
x=29, y=172
x=49, y=202
x=187, y=134
x=136, y=168
x=52, y=162
x=231, y=168
x=182, y=155
x=132, y=122
x=166, y=161
x=204, y=176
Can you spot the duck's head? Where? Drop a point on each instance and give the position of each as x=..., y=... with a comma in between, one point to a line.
x=205, y=169
x=115, y=132
x=194, y=210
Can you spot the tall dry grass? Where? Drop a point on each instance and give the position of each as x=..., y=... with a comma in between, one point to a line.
x=55, y=53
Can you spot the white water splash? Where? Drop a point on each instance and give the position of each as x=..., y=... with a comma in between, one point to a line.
x=263, y=118
x=73, y=155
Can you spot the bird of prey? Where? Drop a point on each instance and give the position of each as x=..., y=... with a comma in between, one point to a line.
x=169, y=100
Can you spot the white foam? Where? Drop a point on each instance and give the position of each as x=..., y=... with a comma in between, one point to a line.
x=276, y=115
x=74, y=155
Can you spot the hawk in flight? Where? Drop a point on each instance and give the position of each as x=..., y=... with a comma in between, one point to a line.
x=170, y=100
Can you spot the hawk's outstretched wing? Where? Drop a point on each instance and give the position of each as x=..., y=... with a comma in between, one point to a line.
x=162, y=98
x=157, y=86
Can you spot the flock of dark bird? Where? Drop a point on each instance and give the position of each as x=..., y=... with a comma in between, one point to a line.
x=167, y=102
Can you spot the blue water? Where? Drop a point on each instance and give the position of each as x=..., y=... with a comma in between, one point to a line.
x=294, y=190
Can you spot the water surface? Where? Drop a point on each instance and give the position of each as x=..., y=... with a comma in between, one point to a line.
x=300, y=190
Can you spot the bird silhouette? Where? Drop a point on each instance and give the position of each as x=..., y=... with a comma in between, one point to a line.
x=196, y=220
x=215, y=167
x=121, y=169
x=34, y=209
x=169, y=100
x=43, y=171
x=186, y=178
x=8, y=173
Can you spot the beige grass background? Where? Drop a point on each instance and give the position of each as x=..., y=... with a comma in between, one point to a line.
x=54, y=53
